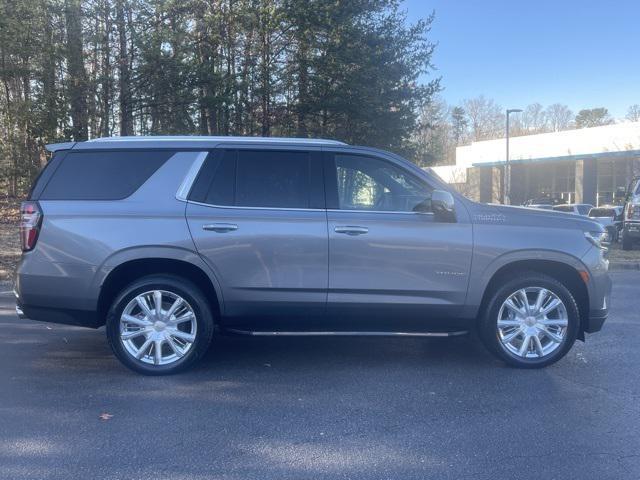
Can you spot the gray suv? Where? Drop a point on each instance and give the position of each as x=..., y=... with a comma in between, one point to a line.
x=171, y=241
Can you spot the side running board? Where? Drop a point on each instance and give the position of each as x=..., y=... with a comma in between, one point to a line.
x=343, y=334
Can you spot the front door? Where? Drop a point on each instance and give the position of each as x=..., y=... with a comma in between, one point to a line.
x=257, y=217
x=391, y=261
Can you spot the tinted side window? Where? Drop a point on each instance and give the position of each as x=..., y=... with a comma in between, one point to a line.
x=45, y=174
x=366, y=183
x=102, y=175
x=215, y=184
x=272, y=179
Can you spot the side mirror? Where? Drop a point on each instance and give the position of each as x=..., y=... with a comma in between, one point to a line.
x=442, y=205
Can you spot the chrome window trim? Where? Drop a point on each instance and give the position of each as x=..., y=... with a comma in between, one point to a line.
x=190, y=177
x=379, y=211
x=236, y=207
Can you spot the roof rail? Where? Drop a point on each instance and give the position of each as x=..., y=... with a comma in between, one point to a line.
x=194, y=138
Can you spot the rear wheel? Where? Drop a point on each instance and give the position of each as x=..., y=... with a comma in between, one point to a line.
x=531, y=321
x=160, y=324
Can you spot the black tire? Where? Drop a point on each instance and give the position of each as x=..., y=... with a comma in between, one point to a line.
x=627, y=244
x=170, y=283
x=488, y=326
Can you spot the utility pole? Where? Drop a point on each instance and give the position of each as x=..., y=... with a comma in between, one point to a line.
x=506, y=186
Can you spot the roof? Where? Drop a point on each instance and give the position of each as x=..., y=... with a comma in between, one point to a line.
x=614, y=141
x=185, y=141
x=563, y=158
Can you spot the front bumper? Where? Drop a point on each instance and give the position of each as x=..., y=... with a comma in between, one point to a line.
x=596, y=320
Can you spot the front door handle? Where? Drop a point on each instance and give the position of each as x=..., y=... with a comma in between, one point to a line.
x=220, y=227
x=351, y=230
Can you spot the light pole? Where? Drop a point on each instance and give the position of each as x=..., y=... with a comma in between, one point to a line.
x=506, y=188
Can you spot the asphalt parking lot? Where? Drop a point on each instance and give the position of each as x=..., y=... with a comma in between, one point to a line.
x=321, y=408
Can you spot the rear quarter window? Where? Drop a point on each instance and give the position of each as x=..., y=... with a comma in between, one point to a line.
x=102, y=175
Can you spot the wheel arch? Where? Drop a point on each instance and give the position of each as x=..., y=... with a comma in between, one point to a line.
x=568, y=273
x=128, y=266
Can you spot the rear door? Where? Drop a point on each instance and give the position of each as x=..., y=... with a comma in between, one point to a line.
x=389, y=260
x=257, y=217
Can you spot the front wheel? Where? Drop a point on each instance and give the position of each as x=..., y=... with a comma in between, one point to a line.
x=531, y=321
x=160, y=324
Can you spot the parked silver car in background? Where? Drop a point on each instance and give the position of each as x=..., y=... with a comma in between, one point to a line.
x=631, y=217
x=575, y=208
x=171, y=241
x=610, y=217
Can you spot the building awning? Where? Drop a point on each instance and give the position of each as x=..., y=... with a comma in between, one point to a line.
x=563, y=158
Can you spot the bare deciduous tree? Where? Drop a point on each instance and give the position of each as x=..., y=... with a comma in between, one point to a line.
x=486, y=118
x=559, y=117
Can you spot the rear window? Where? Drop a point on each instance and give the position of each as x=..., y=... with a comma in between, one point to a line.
x=102, y=175
x=602, y=212
x=584, y=209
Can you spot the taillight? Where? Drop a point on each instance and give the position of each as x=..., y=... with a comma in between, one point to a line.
x=30, y=221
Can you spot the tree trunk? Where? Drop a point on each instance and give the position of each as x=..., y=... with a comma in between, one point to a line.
x=106, y=71
x=124, y=74
x=77, y=73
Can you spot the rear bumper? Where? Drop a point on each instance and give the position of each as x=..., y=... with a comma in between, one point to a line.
x=632, y=230
x=79, y=318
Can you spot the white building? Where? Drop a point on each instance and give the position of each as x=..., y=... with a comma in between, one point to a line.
x=588, y=165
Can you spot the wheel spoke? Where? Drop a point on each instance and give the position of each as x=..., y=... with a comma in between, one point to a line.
x=187, y=337
x=524, y=348
x=184, y=318
x=134, y=334
x=554, y=322
x=144, y=348
x=157, y=352
x=142, y=303
x=509, y=323
x=174, y=307
x=157, y=303
x=511, y=336
x=140, y=322
x=551, y=306
x=522, y=295
x=553, y=336
x=514, y=308
x=176, y=349
x=538, y=345
x=542, y=296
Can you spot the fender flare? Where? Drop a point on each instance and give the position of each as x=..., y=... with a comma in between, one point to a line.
x=152, y=252
x=477, y=294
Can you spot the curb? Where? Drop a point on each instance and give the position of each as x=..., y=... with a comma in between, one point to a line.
x=620, y=266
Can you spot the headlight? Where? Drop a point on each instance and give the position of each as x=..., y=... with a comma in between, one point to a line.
x=598, y=239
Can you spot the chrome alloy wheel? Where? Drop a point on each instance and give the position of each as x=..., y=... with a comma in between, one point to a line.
x=532, y=323
x=158, y=327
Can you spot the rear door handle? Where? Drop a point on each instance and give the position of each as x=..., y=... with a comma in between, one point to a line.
x=351, y=230
x=220, y=227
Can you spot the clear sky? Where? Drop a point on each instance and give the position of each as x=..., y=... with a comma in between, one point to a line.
x=581, y=53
